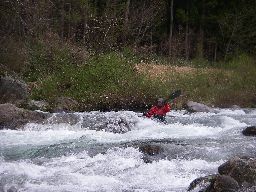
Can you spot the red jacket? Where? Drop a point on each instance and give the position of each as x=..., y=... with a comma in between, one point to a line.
x=155, y=110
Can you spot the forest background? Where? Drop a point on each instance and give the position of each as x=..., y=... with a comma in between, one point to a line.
x=123, y=54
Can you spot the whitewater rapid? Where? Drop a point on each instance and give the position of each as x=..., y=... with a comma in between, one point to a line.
x=81, y=157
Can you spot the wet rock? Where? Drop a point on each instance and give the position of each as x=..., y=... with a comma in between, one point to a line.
x=237, y=174
x=13, y=117
x=151, y=152
x=203, y=183
x=224, y=183
x=117, y=126
x=150, y=149
x=235, y=107
x=242, y=169
x=13, y=91
x=109, y=122
x=38, y=105
x=12, y=189
x=65, y=104
x=247, y=189
x=249, y=131
x=191, y=106
x=215, y=183
x=68, y=118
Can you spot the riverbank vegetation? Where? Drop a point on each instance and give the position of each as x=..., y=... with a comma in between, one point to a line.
x=124, y=54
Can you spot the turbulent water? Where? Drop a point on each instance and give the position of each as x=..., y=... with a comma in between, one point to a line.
x=103, y=151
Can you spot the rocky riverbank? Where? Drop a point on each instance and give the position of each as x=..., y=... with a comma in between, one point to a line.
x=237, y=174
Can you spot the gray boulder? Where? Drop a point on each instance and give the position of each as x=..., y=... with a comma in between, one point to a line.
x=236, y=175
x=235, y=107
x=65, y=104
x=12, y=117
x=247, y=189
x=109, y=122
x=191, y=106
x=249, y=131
x=38, y=105
x=68, y=118
x=12, y=189
x=13, y=91
x=225, y=183
x=214, y=183
x=242, y=169
x=151, y=152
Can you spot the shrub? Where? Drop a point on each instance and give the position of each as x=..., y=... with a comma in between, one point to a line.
x=105, y=81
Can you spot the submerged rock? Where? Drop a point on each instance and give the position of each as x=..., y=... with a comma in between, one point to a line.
x=249, y=131
x=13, y=91
x=12, y=189
x=150, y=149
x=12, y=117
x=191, y=106
x=151, y=152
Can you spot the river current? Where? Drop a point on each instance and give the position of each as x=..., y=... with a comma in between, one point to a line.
x=101, y=151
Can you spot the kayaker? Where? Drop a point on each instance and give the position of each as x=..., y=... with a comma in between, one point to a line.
x=159, y=110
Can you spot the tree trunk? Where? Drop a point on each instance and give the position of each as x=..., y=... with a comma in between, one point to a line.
x=126, y=20
x=200, y=42
x=85, y=24
x=62, y=20
x=215, y=51
x=187, y=33
x=151, y=41
x=69, y=22
x=230, y=39
x=127, y=11
x=171, y=28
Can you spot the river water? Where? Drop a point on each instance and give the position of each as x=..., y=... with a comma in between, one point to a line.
x=99, y=151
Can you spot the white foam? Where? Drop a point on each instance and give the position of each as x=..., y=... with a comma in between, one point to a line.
x=17, y=138
x=117, y=170
x=143, y=129
x=229, y=122
x=252, y=112
x=231, y=112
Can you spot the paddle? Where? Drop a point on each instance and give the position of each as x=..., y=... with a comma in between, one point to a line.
x=171, y=98
x=174, y=95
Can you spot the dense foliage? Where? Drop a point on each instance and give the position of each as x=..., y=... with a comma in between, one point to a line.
x=213, y=29
x=88, y=49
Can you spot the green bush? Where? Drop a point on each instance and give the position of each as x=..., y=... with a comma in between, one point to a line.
x=107, y=79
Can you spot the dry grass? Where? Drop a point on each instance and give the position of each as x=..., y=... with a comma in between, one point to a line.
x=163, y=72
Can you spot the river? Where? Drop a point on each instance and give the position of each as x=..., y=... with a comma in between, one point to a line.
x=102, y=151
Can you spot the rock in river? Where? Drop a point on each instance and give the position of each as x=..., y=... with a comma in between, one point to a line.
x=237, y=174
x=242, y=169
x=12, y=117
x=249, y=131
x=191, y=106
x=13, y=91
